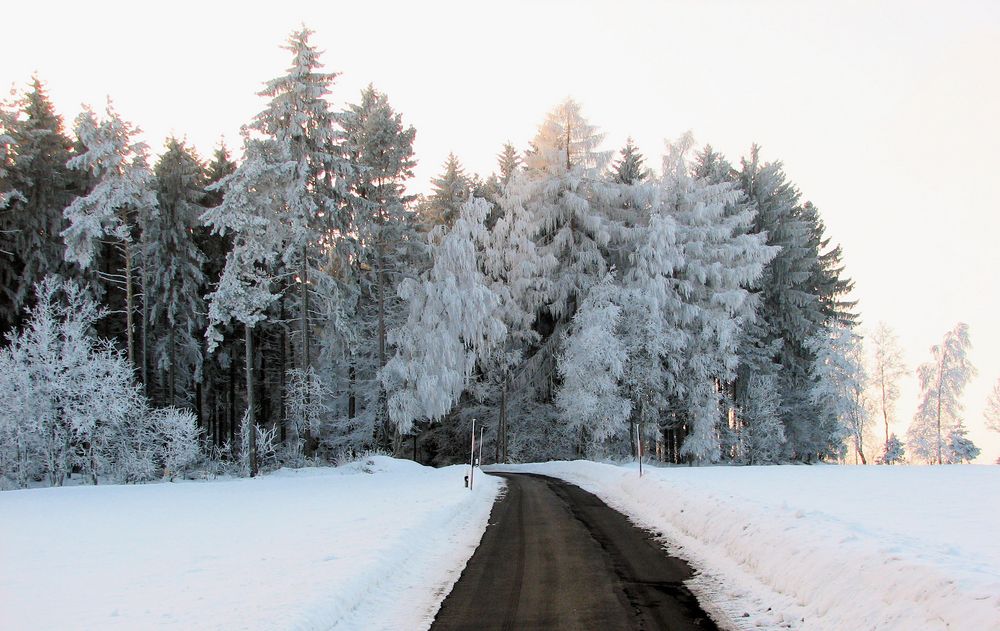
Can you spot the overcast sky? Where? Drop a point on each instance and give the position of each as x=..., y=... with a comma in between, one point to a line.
x=885, y=114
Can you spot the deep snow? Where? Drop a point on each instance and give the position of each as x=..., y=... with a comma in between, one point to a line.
x=822, y=547
x=374, y=544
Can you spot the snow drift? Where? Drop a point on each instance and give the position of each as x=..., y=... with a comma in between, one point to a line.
x=822, y=547
x=376, y=544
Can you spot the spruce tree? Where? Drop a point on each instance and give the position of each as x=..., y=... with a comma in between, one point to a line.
x=176, y=279
x=123, y=190
x=375, y=138
x=450, y=190
x=34, y=219
x=629, y=168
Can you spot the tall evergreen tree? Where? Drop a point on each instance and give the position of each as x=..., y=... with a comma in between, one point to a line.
x=508, y=163
x=176, y=279
x=791, y=312
x=450, y=190
x=34, y=219
x=630, y=167
x=375, y=138
x=124, y=189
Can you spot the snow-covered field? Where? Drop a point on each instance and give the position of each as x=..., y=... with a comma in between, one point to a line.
x=298, y=549
x=823, y=547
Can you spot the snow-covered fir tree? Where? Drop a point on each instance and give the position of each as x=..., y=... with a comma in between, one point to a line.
x=942, y=381
x=894, y=452
x=508, y=163
x=719, y=260
x=761, y=434
x=449, y=191
x=630, y=167
x=959, y=449
x=173, y=269
x=110, y=211
x=31, y=245
x=375, y=138
x=796, y=303
x=838, y=389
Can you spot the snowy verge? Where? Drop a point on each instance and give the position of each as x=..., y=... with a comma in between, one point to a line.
x=822, y=547
x=376, y=544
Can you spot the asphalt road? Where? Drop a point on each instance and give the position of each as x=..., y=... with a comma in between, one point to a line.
x=556, y=557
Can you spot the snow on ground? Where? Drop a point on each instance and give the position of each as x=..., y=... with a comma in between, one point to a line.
x=822, y=547
x=375, y=544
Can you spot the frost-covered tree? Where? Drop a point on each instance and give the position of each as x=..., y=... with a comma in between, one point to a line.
x=69, y=401
x=887, y=368
x=959, y=449
x=991, y=414
x=508, y=164
x=284, y=207
x=894, y=452
x=719, y=260
x=838, y=389
x=761, y=433
x=375, y=138
x=306, y=406
x=569, y=201
x=30, y=243
x=793, y=309
x=449, y=191
x=124, y=188
x=630, y=167
x=591, y=364
x=451, y=324
x=174, y=271
x=8, y=120
x=942, y=381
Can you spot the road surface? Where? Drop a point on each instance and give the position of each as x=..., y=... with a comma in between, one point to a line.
x=556, y=557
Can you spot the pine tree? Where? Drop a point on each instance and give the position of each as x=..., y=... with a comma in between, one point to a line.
x=791, y=312
x=719, y=260
x=761, y=435
x=508, y=163
x=959, y=449
x=942, y=381
x=894, y=452
x=450, y=190
x=629, y=168
x=375, y=138
x=124, y=189
x=35, y=217
x=176, y=279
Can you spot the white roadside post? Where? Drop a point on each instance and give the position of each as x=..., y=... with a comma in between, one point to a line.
x=638, y=440
x=472, y=455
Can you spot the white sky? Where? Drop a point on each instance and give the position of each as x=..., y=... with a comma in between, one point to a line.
x=884, y=113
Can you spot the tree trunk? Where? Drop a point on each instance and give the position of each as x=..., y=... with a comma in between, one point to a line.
x=172, y=382
x=252, y=424
x=129, y=307
x=939, y=385
x=382, y=409
x=145, y=331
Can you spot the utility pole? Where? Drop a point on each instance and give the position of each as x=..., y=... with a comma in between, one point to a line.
x=482, y=430
x=472, y=456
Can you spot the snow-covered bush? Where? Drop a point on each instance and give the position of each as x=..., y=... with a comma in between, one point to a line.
x=69, y=401
x=179, y=434
x=893, y=453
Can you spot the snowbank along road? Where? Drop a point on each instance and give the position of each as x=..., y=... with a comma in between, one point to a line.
x=556, y=557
